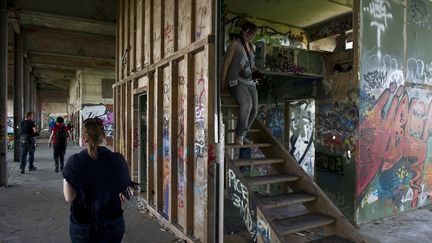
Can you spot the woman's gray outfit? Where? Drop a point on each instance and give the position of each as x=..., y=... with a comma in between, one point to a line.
x=243, y=88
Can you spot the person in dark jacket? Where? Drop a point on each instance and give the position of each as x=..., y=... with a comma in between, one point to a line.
x=94, y=182
x=59, y=136
x=28, y=130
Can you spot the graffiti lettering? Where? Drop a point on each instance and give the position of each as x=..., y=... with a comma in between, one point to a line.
x=418, y=13
x=263, y=230
x=378, y=9
x=168, y=30
x=337, y=198
x=397, y=128
x=329, y=163
x=240, y=197
x=419, y=72
x=99, y=111
x=375, y=79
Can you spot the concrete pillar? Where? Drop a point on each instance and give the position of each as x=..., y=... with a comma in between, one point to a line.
x=18, y=92
x=32, y=95
x=26, y=86
x=3, y=92
x=38, y=107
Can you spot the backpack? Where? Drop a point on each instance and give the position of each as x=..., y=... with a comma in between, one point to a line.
x=61, y=137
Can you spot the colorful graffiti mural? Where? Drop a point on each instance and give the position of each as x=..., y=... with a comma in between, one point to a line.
x=104, y=112
x=10, y=133
x=101, y=111
x=393, y=161
x=272, y=115
x=337, y=124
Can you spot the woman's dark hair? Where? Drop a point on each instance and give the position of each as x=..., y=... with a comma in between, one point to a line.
x=60, y=119
x=28, y=114
x=94, y=134
x=248, y=26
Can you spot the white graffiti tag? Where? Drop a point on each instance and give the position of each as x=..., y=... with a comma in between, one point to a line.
x=378, y=9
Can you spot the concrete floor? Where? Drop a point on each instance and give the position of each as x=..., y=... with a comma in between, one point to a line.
x=32, y=209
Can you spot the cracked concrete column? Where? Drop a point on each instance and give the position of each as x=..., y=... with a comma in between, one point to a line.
x=3, y=92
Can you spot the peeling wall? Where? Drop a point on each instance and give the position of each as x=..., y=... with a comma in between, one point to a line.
x=92, y=86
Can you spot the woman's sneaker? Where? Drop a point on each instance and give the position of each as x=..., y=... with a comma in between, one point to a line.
x=239, y=140
x=247, y=141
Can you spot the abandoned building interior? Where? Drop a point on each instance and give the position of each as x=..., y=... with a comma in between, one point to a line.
x=341, y=77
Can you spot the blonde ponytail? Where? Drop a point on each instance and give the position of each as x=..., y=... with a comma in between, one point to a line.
x=94, y=135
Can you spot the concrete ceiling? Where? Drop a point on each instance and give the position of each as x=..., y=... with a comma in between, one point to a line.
x=61, y=37
x=66, y=23
x=295, y=13
x=97, y=10
x=57, y=78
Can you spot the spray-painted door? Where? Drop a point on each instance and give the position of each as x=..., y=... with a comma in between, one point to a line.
x=301, y=127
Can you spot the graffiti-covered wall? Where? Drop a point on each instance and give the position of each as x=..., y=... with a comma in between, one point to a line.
x=104, y=112
x=10, y=133
x=394, y=166
x=285, y=100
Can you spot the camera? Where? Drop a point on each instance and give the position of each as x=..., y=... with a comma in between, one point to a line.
x=257, y=75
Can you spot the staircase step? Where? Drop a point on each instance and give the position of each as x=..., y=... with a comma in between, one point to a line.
x=229, y=106
x=331, y=239
x=250, y=130
x=263, y=180
x=228, y=118
x=225, y=95
x=303, y=222
x=254, y=145
x=265, y=161
x=285, y=200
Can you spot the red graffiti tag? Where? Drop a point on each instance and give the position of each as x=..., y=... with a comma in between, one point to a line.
x=135, y=138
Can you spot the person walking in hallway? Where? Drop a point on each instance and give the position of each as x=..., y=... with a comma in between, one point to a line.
x=28, y=130
x=238, y=73
x=94, y=182
x=59, y=136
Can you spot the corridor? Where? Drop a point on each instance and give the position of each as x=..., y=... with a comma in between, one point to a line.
x=33, y=209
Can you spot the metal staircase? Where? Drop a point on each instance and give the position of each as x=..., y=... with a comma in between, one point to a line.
x=301, y=213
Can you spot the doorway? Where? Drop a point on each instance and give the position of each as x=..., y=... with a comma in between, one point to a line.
x=142, y=165
x=301, y=132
